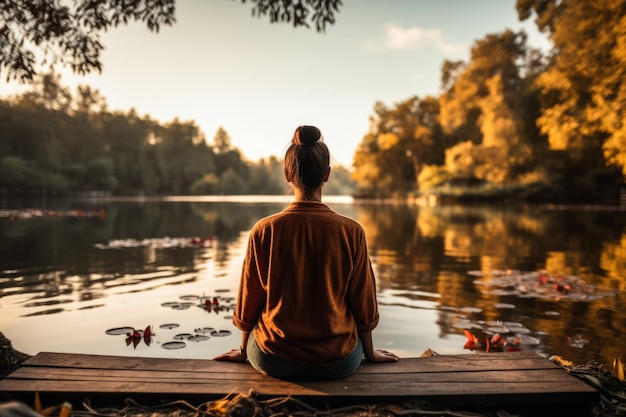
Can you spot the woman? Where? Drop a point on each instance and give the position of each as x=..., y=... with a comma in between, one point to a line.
x=307, y=298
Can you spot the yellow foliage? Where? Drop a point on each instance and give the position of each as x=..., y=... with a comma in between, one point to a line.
x=455, y=104
x=615, y=149
x=554, y=79
x=431, y=176
x=560, y=127
x=459, y=159
x=387, y=141
x=620, y=42
x=497, y=121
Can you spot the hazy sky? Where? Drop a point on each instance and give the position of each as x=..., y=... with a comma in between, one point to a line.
x=221, y=67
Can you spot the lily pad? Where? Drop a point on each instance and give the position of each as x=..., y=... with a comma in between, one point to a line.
x=467, y=325
x=120, y=330
x=528, y=340
x=169, y=304
x=173, y=345
x=189, y=297
x=182, y=336
x=204, y=330
x=520, y=330
x=169, y=326
x=500, y=330
x=220, y=333
x=199, y=338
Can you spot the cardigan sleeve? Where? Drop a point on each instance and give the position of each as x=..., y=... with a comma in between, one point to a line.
x=362, y=288
x=251, y=295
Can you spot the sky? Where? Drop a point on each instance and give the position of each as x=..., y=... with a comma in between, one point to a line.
x=220, y=67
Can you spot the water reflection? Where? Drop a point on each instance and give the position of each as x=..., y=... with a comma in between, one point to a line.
x=430, y=250
x=432, y=264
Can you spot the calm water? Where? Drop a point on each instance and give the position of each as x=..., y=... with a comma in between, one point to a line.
x=67, y=281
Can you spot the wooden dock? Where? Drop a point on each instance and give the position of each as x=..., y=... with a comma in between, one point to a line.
x=470, y=379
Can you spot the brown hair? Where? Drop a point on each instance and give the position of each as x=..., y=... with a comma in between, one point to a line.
x=307, y=159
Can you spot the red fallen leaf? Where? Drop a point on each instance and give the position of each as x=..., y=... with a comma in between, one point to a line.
x=471, y=337
x=215, y=301
x=472, y=341
x=469, y=345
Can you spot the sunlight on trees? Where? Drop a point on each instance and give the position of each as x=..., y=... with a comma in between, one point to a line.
x=583, y=95
x=511, y=121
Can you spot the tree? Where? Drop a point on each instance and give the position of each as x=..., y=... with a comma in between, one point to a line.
x=298, y=12
x=51, y=32
x=583, y=93
x=465, y=85
x=503, y=148
x=182, y=156
x=401, y=141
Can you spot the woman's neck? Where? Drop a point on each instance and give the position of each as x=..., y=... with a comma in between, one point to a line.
x=315, y=195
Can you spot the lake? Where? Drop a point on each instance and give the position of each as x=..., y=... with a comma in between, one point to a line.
x=78, y=275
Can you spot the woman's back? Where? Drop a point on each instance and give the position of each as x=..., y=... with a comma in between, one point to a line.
x=315, y=281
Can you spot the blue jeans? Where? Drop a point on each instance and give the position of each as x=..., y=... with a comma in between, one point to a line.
x=269, y=364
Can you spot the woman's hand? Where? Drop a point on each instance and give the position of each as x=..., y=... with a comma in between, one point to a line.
x=379, y=355
x=233, y=355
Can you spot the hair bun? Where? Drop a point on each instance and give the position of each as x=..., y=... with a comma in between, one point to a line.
x=306, y=135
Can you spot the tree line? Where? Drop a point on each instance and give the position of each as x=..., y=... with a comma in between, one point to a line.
x=56, y=143
x=513, y=121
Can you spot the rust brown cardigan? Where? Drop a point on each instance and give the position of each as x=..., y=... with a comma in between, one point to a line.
x=307, y=284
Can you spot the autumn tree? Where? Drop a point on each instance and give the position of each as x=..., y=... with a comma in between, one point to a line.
x=488, y=113
x=465, y=84
x=402, y=139
x=583, y=94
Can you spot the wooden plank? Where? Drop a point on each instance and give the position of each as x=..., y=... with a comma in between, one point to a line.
x=176, y=377
x=490, y=378
x=441, y=363
x=388, y=390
